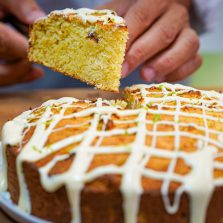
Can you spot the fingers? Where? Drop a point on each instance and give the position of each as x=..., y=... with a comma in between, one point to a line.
x=184, y=71
x=119, y=6
x=18, y=72
x=141, y=15
x=34, y=74
x=12, y=44
x=161, y=35
x=25, y=10
x=184, y=48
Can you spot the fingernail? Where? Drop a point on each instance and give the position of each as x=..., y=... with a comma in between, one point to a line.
x=33, y=15
x=125, y=69
x=149, y=74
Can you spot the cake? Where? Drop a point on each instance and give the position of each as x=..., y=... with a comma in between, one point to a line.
x=154, y=156
x=86, y=44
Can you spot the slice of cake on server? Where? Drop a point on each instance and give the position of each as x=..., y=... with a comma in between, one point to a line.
x=86, y=44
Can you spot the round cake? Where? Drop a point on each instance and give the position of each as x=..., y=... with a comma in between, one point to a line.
x=155, y=156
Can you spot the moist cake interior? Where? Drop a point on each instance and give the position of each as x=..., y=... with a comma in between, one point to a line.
x=86, y=44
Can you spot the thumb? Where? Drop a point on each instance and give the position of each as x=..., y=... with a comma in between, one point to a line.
x=119, y=6
x=26, y=11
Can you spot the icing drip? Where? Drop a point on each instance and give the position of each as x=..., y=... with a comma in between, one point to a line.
x=199, y=183
x=200, y=190
x=12, y=134
x=80, y=166
x=131, y=183
x=39, y=138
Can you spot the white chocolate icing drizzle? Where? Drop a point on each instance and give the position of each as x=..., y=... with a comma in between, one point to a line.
x=199, y=183
x=105, y=16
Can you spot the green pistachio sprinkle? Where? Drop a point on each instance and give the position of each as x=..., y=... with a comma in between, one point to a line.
x=156, y=118
x=48, y=147
x=129, y=148
x=149, y=105
x=141, y=106
x=160, y=87
x=171, y=93
x=48, y=122
x=59, y=109
x=36, y=149
x=126, y=133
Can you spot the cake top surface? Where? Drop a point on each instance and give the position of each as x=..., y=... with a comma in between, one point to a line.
x=169, y=138
x=105, y=16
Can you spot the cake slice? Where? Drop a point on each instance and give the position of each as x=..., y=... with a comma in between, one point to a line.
x=86, y=44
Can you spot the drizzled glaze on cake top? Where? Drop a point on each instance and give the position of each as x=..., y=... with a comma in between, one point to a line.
x=105, y=16
x=175, y=111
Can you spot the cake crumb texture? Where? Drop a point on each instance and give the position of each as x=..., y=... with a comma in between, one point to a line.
x=87, y=45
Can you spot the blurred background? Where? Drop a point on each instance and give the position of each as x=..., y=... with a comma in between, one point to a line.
x=211, y=73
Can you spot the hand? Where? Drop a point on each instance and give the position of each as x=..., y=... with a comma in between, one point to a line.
x=14, y=65
x=160, y=38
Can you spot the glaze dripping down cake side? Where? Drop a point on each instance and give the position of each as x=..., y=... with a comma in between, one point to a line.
x=85, y=44
x=155, y=157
